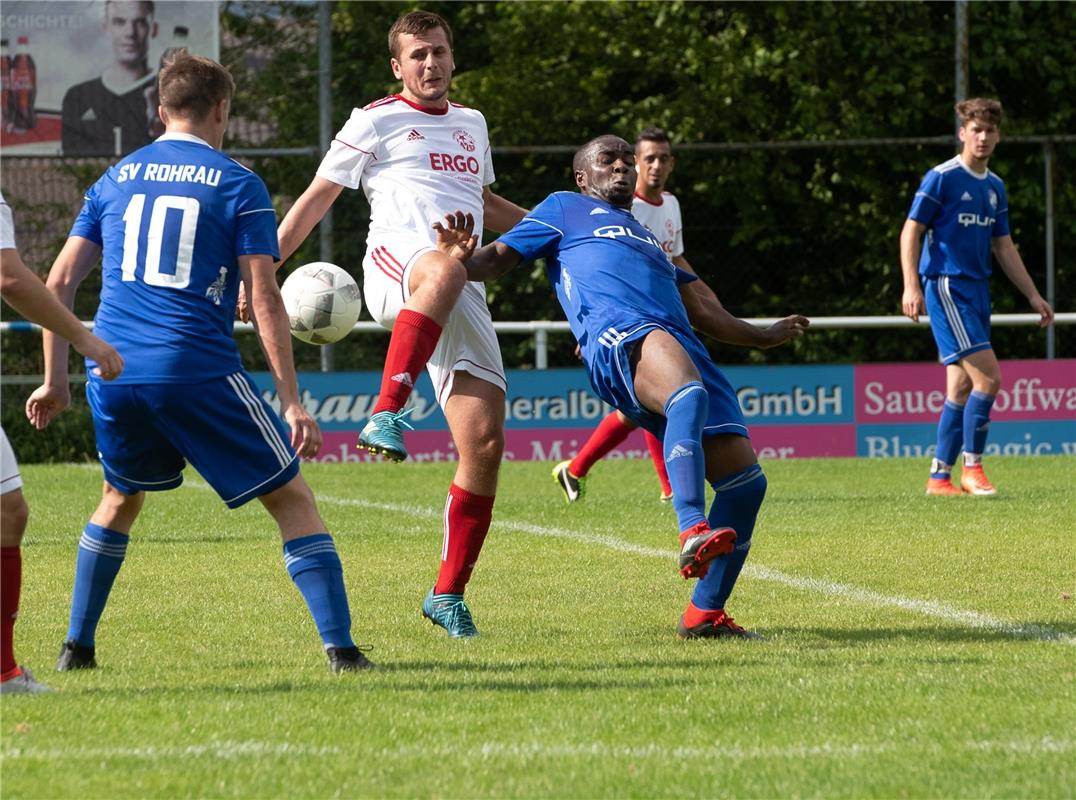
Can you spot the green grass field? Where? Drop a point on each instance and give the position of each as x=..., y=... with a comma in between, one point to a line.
x=917, y=647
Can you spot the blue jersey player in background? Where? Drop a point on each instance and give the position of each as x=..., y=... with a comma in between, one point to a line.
x=962, y=209
x=178, y=225
x=632, y=311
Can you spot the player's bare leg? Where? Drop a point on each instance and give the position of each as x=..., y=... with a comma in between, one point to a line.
x=435, y=282
x=294, y=509
x=667, y=382
x=475, y=414
x=984, y=371
x=101, y=551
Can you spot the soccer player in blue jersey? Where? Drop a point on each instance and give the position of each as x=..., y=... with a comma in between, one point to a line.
x=962, y=209
x=632, y=311
x=178, y=226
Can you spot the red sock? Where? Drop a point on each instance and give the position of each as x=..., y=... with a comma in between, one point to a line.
x=467, y=518
x=414, y=337
x=610, y=432
x=10, y=587
x=697, y=616
x=657, y=455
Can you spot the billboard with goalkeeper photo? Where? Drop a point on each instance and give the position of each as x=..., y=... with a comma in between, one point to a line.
x=80, y=78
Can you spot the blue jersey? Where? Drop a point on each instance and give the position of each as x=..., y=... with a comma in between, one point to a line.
x=172, y=219
x=608, y=270
x=963, y=212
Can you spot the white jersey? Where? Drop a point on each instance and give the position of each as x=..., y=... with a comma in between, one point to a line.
x=414, y=164
x=663, y=220
x=7, y=226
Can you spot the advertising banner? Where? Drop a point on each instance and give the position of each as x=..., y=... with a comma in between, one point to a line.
x=80, y=78
x=872, y=411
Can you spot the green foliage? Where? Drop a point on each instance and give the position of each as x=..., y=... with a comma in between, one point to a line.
x=774, y=231
x=69, y=437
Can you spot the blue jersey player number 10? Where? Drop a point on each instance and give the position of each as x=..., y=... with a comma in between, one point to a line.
x=178, y=226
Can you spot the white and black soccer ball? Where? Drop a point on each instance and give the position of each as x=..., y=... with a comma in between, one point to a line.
x=323, y=302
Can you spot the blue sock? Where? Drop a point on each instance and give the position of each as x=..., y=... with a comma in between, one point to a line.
x=685, y=414
x=977, y=422
x=736, y=503
x=100, y=556
x=950, y=439
x=315, y=567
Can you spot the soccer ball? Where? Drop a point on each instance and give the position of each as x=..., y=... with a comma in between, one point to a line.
x=322, y=301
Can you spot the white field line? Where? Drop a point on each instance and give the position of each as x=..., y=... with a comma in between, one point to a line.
x=527, y=751
x=222, y=751
x=927, y=608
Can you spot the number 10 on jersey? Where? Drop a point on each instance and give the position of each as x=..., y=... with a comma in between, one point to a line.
x=168, y=266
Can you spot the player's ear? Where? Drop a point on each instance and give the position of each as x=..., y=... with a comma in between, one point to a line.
x=396, y=71
x=581, y=179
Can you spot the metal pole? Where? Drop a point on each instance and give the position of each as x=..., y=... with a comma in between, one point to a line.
x=541, y=349
x=960, y=56
x=325, y=133
x=1048, y=178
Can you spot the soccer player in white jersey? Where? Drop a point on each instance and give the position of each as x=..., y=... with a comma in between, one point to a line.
x=24, y=291
x=177, y=225
x=962, y=209
x=417, y=156
x=659, y=211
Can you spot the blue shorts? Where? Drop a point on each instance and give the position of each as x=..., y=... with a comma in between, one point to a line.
x=959, y=310
x=146, y=434
x=610, y=374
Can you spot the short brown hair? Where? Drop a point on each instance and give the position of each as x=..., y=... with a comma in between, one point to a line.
x=979, y=108
x=415, y=23
x=190, y=86
x=652, y=135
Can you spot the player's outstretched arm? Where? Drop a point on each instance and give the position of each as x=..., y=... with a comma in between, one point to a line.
x=456, y=238
x=1013, y=266
x=271, y=321
x=706, y=314
x=911, y=245
x=27, y=294
x=498, y=214
x=305, y=214
x=74, y=262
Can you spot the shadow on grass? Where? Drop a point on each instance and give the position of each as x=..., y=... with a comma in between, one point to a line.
x=1025, y=633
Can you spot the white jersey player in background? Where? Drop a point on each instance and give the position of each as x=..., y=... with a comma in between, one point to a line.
x=418, y=157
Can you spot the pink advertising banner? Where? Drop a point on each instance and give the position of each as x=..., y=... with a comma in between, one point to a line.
x=902, y=393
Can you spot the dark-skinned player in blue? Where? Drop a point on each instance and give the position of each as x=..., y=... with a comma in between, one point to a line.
x=632, y=312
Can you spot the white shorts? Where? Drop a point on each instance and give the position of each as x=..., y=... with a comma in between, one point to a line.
x=10, y=479
x=468, y=342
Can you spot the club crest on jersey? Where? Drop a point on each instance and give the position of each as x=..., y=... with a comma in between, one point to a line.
x=215, y=292
x=993, y=199
x=465, y=140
